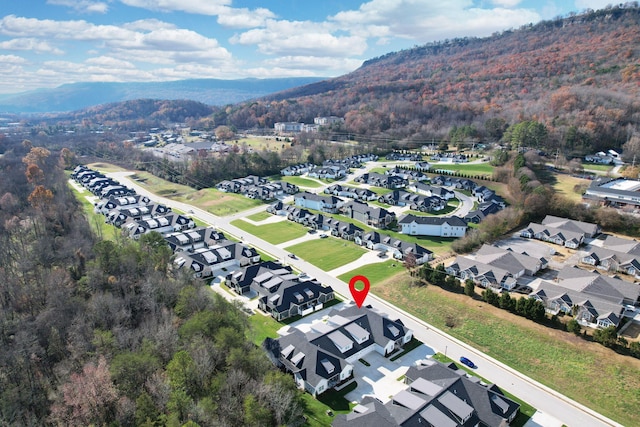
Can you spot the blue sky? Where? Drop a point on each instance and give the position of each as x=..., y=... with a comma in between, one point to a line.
x=46, y=43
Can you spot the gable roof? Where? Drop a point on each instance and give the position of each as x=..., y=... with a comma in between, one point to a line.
x=586, y=228
x=453, y=221
x=598, y=285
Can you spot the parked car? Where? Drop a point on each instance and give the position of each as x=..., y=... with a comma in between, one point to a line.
x=291, y=256
x=323, y=236
x=467, y=362
x=311, y=231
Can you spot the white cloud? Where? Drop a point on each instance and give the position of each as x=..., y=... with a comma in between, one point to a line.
x=148, y=25
x=203, y=7
x=301, y=38
x=107, y=61
x=506, y=3
x=421, y=22
x=83, y=6
x=244, y=18
x=12, y=59
x=30, y=44
x=593, y=4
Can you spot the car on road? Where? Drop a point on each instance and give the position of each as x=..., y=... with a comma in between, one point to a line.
x=323, y=236
x=311, y=231
x=292, y=256
x=467, y=362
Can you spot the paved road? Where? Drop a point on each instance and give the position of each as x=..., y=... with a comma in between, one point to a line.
x=541, y=397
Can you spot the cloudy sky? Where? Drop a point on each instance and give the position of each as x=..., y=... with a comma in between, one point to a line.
x=46, y=43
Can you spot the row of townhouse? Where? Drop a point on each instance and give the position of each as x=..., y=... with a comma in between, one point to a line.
x=328, y=172
x=596, y=300
x=351, y=162
x=449, y=158
x=323, y=358
x=416, y=202
x=362, y=194
x=436, y=395
x=280, y=292
x=345, y=230
x=381, y=180
x=407, y=174
x=561, y=231
x=396, y=155
x=257, y=188
x=216, y=258
x=496, y=268
x=370, y=215
x=99, y=184
x=612, y=261
x=440, y=226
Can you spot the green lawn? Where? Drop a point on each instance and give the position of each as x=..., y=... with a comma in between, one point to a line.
x=376, y=273
x=218, y=202
x=597, y=167
x=260, y=216
x=301, y=182
x=327, y=254
x=275, y=232
x=317, y=410
x=261, y=327
x=564, y=364
x=97, y=221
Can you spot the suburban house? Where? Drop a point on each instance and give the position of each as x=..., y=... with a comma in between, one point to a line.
x=431, y=190
x=118, y=217
x=588, y=229
x=104, y=206
x=588, y=308
x=612, y=261
x=242, y=279
x=399, y=248
x=437, y=395
x=451, y=226
x=381, y=180
x=328, y=172
x=363, y=194
x=297, y=169
x=598, y=285
x=413, y=157
x=422, y=166
x=309, y=200
x=288, y=127
x=323, y=358
x=369, y=215
x=164, y=224
x=191, y=240
x=216, y=259
x=600, y=158
x=484, y=209
x=629, y=246
x=283, y=296
x=485, y=275
x=344, y=230
x=510, y=260
x=567, y=238
x=415, y=201
x=408, y=174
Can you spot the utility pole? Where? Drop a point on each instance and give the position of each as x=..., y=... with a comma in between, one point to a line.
x=556, y=162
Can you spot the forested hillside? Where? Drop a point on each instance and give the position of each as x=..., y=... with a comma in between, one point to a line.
x=102, y=333
x=578, y=76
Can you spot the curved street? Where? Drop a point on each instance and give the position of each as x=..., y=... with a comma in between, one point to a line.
x=543, y=398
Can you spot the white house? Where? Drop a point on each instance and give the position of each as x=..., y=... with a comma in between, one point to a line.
x=413, y=225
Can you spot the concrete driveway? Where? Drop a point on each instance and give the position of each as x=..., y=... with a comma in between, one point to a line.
x=383, y=378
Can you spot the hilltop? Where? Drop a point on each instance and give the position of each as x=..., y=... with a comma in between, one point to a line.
x=579, y=75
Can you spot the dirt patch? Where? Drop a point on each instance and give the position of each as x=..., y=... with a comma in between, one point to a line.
x=632, y=332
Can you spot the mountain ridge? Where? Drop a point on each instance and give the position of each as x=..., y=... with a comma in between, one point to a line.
x=77, y=96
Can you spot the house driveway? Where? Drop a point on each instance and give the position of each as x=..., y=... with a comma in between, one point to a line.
x=381, y=378
x=370, y=257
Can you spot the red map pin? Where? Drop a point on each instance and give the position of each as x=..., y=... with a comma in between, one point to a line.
x=359, y=295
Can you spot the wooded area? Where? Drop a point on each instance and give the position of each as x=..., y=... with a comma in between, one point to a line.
x=101, y=332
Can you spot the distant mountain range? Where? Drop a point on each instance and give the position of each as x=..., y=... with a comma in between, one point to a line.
x=215, y=92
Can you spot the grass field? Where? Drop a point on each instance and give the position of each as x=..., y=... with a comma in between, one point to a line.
x=218, y=202
x=597, y=167
x=376, y=273
x=565, y=185
x=106, y=167
x=327, y=254
x=301, y=182
x=557, y=359
x=275, y=232
x=260, y=216
x=97, y=221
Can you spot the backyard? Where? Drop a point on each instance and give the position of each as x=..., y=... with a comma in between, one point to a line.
x=302, y=182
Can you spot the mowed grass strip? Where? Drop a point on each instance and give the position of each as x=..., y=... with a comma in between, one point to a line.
x=376, y=273
x=218, y=202
x=327, y=254
x=586, y=372
x=275, y=232
x=566, y=184
x=260, y=216
x=301, y=182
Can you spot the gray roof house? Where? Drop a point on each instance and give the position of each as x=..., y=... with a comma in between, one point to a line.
x=370, y=215
x=587, y=228
x=436, y=395
x=241, y=280
x=398, y=248
x=612, y=261
x=485, y=275
x=598, y=285
x=570, y=239
x=322, y=358
x=216, y=259
x=284, y=296
x=190, y=240
x=510, y=260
